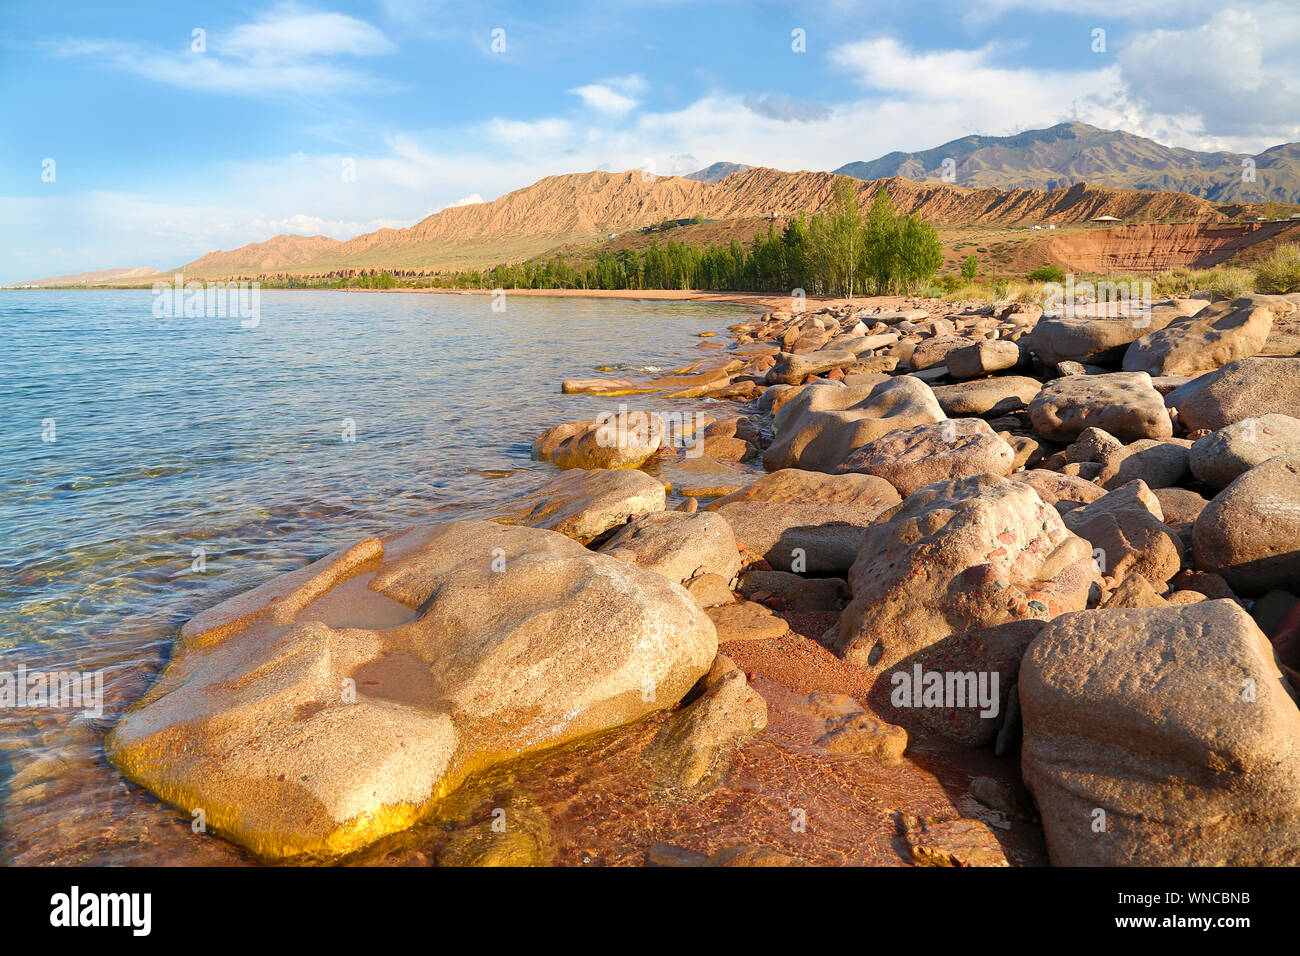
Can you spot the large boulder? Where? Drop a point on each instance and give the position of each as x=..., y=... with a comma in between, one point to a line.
x=1161, y=737
x=806, y=520
x=341, y=702
x=1126, y=528
x=1233, y=450
x=818, y=428
x=792, y=369
x=1242, y=389
x=983, y=358
x=624, y=439
x=1218, y=334
x=1098, y=340
x=585, y=504
x=678, y=545
x=987, y=396
x=1121, y=403
x=956, y=557
x=1250, y=532
x=911, y=458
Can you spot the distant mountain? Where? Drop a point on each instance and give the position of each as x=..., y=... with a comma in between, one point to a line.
x=711, y=174
x=586, y=207
x=1070, y=153
x=98, y=277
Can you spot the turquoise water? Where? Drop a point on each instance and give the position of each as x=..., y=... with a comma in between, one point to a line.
x=172, y=435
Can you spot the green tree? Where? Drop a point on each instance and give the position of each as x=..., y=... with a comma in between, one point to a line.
x=970, y=268
x=920, y=253
x=880, y=243
x=845, y=233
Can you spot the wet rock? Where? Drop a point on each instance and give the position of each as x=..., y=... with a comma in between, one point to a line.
x=911, y=458
x=951, y=842
x=620, y=440
x=677, y=545
x=517, y=834
x=1121, y=403
x=1248, y=533
x=751, y=856
x=821, y=425
x=1220, y=457
x=1002, y=797
x=694, y=748
x=864, y=735
x=1161, y=737
x=956, y=557
x=352, y=695
x=585, y=504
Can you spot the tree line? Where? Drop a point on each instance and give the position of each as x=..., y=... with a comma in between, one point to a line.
x=841, y=252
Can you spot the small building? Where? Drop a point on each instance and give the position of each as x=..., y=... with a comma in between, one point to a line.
x=1105, y=219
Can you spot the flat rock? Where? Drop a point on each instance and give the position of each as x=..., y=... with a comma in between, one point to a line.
x=746, y=621
x=1099, y=340
x=585, y=504
x=1218, y=334
x=1121, y=403
x=911, y=458
x=806, y=520
x=987, y=396
x=983, y=358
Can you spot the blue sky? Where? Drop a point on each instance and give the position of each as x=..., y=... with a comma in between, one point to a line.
x=163, y=151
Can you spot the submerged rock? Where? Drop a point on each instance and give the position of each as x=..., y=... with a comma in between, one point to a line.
x=339, y=703
x=694, y=748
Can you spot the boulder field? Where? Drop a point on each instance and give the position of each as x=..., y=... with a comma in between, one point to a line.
x=1066, y=542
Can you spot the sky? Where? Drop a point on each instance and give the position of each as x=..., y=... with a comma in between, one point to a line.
x=144, y=134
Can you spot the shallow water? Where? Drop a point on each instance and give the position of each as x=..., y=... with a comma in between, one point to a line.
x=193, y=458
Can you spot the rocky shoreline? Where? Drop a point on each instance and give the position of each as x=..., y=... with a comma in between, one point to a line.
x=1009, y=589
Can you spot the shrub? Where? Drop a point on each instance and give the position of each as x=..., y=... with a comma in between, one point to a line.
x=1049, y=273
x=1279, y=272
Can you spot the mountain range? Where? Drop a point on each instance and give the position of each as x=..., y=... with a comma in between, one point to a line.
x=1065, y=175
x=1070, y=153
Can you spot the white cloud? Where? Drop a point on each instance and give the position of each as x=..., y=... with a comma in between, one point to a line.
x=604, y=100
x=287, y=50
